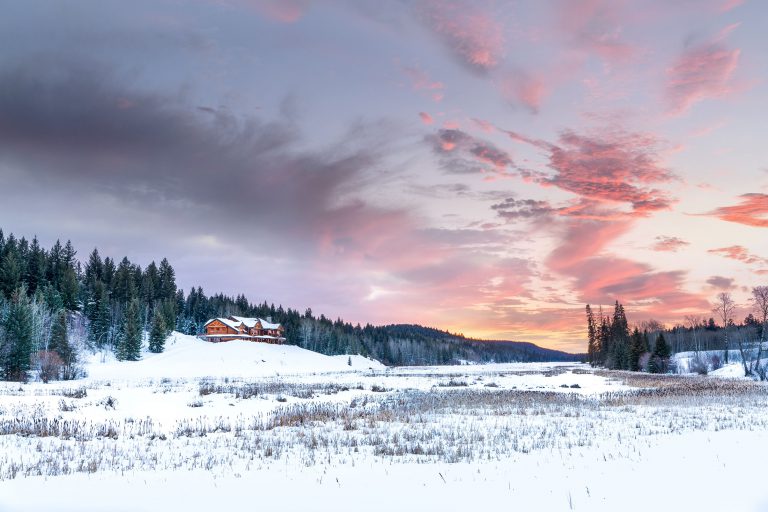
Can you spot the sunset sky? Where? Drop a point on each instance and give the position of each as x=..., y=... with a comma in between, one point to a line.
x=486, y=167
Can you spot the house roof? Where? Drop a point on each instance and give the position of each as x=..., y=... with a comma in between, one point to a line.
x=248, y=322
x=236, y=321
x=269, y=325
x=251, y=322
x=226, y=321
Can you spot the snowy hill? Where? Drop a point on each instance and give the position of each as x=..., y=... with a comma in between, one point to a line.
x=189, y=357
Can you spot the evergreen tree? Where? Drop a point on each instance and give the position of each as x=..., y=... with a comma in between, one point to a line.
x=591, y=337
x=35, y=274
x=618, y=356
x=69, y=289
x=98, y=329
x=659, y=362
x=637, y=349
x=158, y=334
x=60, y=345
x=10, y=273
x=16, y=344
x=129, y=344
x=167, y=280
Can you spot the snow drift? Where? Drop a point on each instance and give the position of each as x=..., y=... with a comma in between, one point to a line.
x=189, y=357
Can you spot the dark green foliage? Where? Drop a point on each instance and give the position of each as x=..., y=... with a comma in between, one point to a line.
x=592, y=340
x=610, y=340
x=16, y=342
x=101, y=320
x=10, y=274
x=59, y=344
x=129, y=343
x=157, y=334
x=636, y=350
x=659, y=362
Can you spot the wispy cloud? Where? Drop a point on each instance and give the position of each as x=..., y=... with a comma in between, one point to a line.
x=669, y=244
x=467, y=29
x=751, y=211
x=703, y=71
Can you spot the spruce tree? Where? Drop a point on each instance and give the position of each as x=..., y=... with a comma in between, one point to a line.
x=59, y=344
x=659, y=362
x=129, y=344
x=69, y=289
x=591, y=337
x=98, y=329
x=637, y=349
x=158, y=334
x=16, y=348
x=10, y=274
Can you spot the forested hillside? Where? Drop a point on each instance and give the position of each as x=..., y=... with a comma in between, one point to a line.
x=46, y=294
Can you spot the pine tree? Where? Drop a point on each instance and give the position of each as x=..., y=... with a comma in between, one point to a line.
x=16, y=347
x=591, y=337
x=69, y=289
x=10, y=273
x=618, y=354
x=98, y=329
x=637, y=349
x=167, y=278
x=158, y=334
x=659, y=362
x=60, y=345
x=129, y=344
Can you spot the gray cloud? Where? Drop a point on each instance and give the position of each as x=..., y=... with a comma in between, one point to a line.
x=720, y=282
x=77, y=125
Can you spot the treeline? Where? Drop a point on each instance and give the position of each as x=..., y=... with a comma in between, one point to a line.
x=611, y=344
x=48, y=296
x=648, y=346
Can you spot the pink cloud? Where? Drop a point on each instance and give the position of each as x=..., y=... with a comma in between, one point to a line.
x=420, y=81
x=451, y=125
x=473, y=35
x=739, y=253
x=526, y=89
x=613, y=166
x=426, y=118
x=464, y=148
x=595, y=26
x=669, y=244
x=484, y=125
x=284, y=11
x=703, y=71
x=752, y=211
x=729, y=5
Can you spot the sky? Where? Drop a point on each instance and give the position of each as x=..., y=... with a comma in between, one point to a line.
x=485, y=167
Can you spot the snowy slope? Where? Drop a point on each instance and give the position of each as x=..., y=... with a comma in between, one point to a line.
x=189, y=357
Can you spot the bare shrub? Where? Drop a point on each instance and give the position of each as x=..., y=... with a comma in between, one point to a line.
x=716, y=362
x=50, y=365
x=108, y=402
x=74, y=393
x=698, y=365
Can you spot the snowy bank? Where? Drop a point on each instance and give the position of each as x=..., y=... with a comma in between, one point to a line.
x=189, y=357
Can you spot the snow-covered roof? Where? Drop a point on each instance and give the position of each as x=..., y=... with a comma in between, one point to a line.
x=236, y=321
x=269, y=325
x=226, y=321
x=251, y=322
x=248, y=322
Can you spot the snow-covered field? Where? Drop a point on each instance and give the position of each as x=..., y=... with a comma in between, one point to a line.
x=255, y=426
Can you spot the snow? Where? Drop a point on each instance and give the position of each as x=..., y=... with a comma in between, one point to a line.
x=189, y=357
x=672, y=473
x=733, y=370
x=207, y=426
